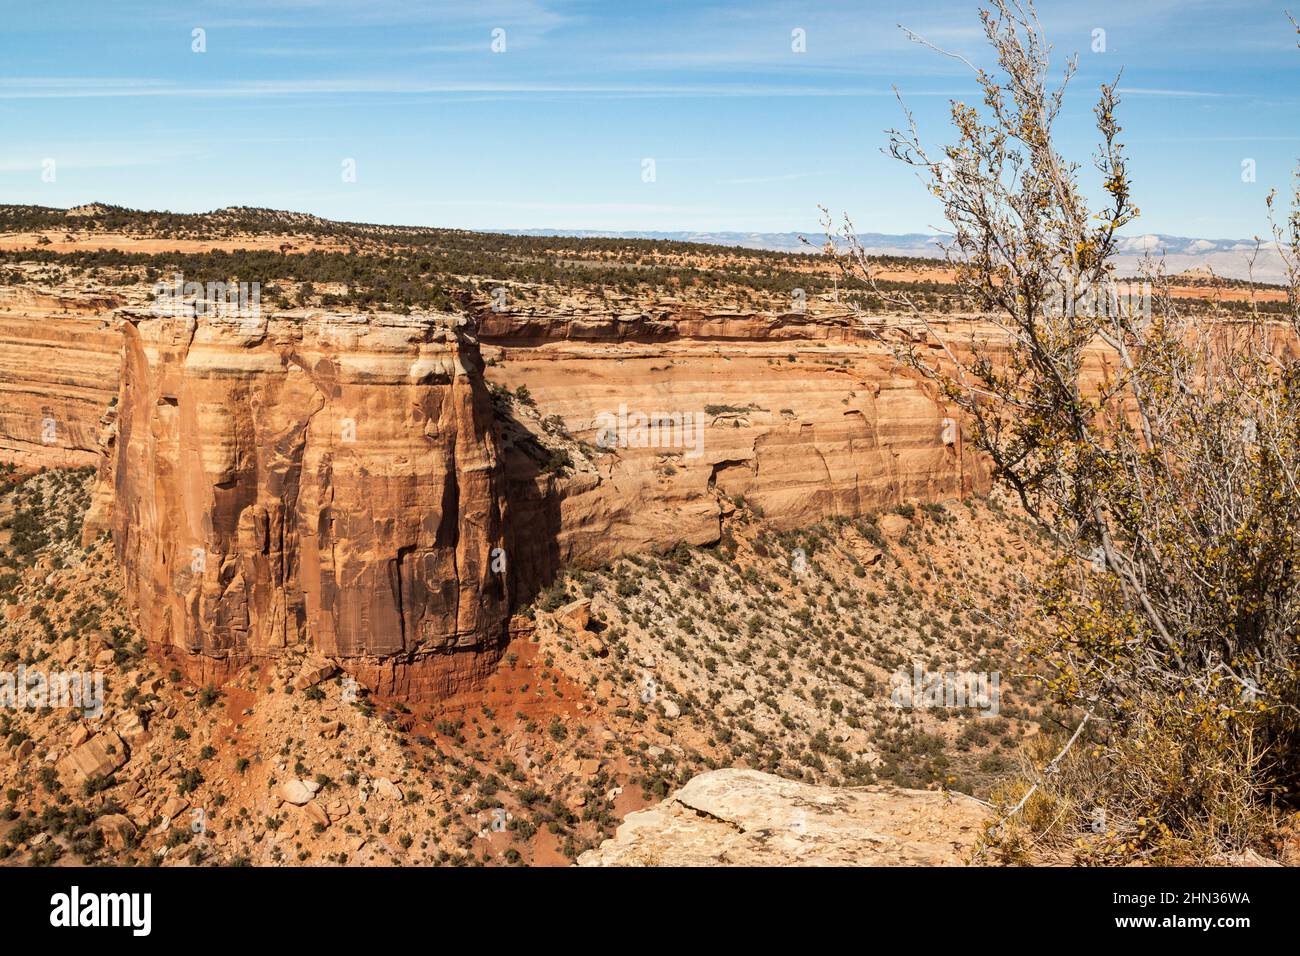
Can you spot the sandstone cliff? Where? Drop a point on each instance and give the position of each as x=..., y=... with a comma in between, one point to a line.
x=322, y=480
x=804, y=429
x=340, y=481
x=58, y=372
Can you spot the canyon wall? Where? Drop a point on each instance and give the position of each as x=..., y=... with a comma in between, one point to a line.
x=340, y=483
x=59, y=360
x=329, y=481
x=803, y=422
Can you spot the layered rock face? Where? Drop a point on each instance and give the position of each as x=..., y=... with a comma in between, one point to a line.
x=339, y=483
x=321, y=480
x=804, y=429
x=59, y=359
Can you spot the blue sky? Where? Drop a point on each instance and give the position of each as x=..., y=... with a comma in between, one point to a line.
x=745, y=133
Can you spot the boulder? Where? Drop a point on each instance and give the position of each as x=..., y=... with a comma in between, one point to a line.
x=296, y=792
x=173, y=806
x=128, y=791
x=313, y=671
x=387, y=789
x=893, y=526
x=575, y=615
x=131, y=727
x=1247, y=858
x=118, y=830
x=315, y=813
x=97, y=757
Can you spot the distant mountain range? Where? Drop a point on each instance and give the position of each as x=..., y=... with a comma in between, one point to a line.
x=1229, y=258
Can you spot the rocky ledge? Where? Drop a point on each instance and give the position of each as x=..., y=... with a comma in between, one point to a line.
x=747, y=818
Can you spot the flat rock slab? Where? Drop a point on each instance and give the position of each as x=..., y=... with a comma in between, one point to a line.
x=97, y=757
x=747, y=818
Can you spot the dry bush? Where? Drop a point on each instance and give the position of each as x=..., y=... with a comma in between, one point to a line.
x=1157, y=442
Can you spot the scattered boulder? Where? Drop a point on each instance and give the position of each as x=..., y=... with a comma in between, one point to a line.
x=868, y=556
x=118, y=830
x=313, y=671
x=387, y=789
x=97, y=757
x=174, y=806
x=1247, y=857
x=296, y=792
x=131, y=727
x=128, y=791
x=893, y=526
x=315, y=813
x=575, y=615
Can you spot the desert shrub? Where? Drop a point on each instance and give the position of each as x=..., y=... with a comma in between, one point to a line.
x=1167, y=627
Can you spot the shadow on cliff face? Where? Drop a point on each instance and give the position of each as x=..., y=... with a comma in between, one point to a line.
x=533, y=495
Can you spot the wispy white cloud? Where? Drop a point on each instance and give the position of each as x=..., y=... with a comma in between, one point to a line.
x=783, y=178
x=83, y=156
x=1214, y=139
x=535, y=15
x=94, y=88
x=1146, y=91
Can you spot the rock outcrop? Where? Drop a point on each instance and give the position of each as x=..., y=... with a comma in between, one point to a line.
x=747, y=818
x=314, y=480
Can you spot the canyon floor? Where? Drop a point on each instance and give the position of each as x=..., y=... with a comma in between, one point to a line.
x=621, y=684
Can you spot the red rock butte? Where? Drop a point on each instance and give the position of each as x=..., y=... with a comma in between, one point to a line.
x=327, y=480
